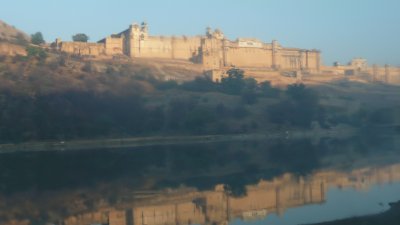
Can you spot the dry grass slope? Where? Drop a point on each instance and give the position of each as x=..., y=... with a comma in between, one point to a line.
x=12, y=40
x=10, y=33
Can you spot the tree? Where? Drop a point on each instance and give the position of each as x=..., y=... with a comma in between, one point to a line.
x=202, y=84
x=249, y=92
x=267, y=90
x=234, y=83
x=80, y=37
x=299, y=92
x=299, y=109
x=37, y=38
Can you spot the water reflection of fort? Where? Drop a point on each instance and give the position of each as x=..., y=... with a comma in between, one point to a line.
x=188, y=206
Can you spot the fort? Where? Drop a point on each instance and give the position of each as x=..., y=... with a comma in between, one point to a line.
x=212, y=50
x=216, y=54
x=274, y=197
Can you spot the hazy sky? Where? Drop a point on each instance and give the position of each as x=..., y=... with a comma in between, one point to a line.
x=341, y=29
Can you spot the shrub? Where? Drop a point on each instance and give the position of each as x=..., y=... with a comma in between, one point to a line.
x=3, y=58
x=299, y=109
x=20, y=39
x=267, y=90
x=202, y=84
x=171, y=84
x=110, y=70
x=37, y=38
x=80, y=37
x=240, y=112
x=249, y=97
x=234, y=83
x=87, y=67
x=36, y=52
x=62, y=61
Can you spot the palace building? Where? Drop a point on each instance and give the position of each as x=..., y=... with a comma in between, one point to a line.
x=213, y=50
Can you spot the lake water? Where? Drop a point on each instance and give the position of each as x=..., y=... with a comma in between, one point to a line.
x=270, y=182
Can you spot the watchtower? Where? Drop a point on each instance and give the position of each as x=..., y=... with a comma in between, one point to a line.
x=144, y=30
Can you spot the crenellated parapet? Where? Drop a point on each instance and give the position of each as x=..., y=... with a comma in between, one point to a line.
x=216, y=52
x=80, y=48
x=358, y=67
x=212, y=49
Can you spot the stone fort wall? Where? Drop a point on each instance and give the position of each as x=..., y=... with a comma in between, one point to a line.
x=212, y=50
x=359, y=67
x=217, y=53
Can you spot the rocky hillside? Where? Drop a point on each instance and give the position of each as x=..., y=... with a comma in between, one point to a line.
x=12, y=40
x=11, y=34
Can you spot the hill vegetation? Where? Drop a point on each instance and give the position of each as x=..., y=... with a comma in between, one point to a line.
x=12, y=40
x=11, y=34
x=47, y=96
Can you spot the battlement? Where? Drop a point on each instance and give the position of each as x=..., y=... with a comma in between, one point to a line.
x=216, y=53
x=213, y=50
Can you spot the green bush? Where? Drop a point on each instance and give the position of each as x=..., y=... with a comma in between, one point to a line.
x=37, y=38
x=267, y=90
x=234, y=83
x=299, y=108
x=80, y=37
x=36, y=52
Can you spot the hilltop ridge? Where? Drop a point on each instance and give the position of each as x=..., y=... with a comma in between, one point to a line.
x=11, y=34
x=12, y=40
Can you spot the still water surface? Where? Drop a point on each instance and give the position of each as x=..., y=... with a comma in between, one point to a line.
x=272, y=182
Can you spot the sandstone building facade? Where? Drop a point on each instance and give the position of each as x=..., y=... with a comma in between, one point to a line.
x=213, y=50
x=359, y=67
x=216, y=54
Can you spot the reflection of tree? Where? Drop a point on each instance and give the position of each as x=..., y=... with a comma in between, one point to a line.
x=299, y=157
x=201, y=166
x=115, y=177
x=195, y=165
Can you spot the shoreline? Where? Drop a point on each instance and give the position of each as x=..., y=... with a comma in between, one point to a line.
x=112, y=143
x=389, y=217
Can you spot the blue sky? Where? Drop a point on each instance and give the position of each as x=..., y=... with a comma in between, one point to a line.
x=341, y=29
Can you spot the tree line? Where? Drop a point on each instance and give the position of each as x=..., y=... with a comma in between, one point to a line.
x=42, y=106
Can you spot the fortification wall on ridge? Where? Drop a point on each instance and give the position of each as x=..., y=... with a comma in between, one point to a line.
x=83, y=48
x=248, y=57
x=212, y=50
x=114, y=46
x=186, y=47
x=217, y=53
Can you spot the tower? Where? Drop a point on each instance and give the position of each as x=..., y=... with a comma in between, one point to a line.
x=387, y=73
x=318, y=55
x=218, y=34
x=208, y=32
x=134, y=30
x=275, y=55
x=212, y=55
x=375, y=73
x=132, y=40
x=144, y=30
